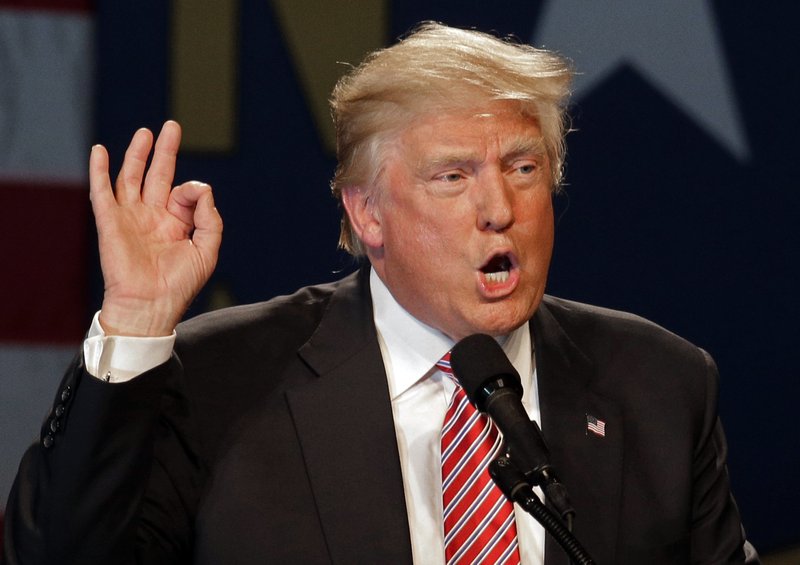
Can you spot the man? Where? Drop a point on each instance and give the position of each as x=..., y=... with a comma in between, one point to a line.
x=308, y=429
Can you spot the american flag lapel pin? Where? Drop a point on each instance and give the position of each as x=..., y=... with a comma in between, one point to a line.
x=596, y=426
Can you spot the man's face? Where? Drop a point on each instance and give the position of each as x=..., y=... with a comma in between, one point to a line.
x=463, y=221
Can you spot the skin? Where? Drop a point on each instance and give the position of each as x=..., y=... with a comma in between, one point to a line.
x=457, y=189
x=158, y=244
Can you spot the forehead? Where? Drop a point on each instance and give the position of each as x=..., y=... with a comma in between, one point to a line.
x=499, y=126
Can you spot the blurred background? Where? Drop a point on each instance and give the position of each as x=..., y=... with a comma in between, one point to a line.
x=681, y=202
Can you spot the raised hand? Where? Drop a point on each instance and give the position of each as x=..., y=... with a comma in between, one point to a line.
x=158, y=244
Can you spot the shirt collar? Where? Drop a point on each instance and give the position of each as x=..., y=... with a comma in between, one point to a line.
x=411, y=348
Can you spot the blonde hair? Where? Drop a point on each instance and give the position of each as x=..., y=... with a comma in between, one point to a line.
x=434, y=69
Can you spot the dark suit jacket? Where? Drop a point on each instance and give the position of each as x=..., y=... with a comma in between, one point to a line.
x=269, y=438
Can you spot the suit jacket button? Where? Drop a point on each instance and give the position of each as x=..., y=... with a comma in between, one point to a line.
x=59, y=410
x=47, y=442
x=66, y=393
x=54, y=425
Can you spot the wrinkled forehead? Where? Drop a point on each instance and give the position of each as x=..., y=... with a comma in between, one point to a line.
x=500, y=126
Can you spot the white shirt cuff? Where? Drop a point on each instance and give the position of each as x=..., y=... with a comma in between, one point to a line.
x=117, y=359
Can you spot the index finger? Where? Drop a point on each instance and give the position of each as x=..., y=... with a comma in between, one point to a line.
x=158, y=182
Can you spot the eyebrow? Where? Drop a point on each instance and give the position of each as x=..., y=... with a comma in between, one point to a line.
x=525, y=146
x=520, y=146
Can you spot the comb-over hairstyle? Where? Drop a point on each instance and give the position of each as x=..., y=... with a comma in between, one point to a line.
x=437, y=69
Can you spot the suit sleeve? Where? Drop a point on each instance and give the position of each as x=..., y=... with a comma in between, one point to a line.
x=717, y=535
x=112, y=478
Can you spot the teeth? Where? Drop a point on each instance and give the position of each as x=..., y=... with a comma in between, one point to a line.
x=499, y=277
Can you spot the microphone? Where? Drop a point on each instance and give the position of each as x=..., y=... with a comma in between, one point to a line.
x=493, y=386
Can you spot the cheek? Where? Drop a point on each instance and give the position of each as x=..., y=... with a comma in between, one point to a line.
x=423, y=244
x=537, y=227
x=409, y=239
x=422, y=225
x=540, y=211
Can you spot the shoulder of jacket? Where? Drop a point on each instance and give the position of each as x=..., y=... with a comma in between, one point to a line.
x=607, y=325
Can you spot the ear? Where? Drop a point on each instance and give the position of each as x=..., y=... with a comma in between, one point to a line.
x=359, y=202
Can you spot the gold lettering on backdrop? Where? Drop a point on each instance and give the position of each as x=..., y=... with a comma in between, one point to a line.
x=321, y=35
x=204, y=67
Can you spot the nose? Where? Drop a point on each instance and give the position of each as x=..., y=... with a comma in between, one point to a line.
x=495, y=203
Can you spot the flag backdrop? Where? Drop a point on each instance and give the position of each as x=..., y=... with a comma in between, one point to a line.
x=681, y=203
x=46, y=93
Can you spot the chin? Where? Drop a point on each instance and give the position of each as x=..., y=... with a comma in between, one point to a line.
x=499, y=327
x=503, y=321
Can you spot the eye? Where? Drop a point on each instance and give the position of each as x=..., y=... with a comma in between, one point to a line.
x=453, y=176
x=527, y=169
x=448, y=183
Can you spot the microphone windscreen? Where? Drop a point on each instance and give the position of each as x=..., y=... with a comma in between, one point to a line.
x=479, y=359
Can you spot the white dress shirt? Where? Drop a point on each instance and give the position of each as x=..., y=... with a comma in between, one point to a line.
x=419, y=395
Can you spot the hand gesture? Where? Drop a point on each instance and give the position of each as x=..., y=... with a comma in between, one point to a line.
x=158, y=244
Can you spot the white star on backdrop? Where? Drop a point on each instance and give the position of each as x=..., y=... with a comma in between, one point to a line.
x=674, y=44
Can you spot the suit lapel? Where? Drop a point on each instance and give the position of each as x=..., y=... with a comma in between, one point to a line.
x=589, y=465
x=346, y=431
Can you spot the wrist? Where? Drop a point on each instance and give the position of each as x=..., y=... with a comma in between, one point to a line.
x=137, y=318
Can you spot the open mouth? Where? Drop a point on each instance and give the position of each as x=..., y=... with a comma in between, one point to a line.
x=497, y=269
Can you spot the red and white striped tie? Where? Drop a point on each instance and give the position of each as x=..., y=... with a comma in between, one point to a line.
x=479, y=522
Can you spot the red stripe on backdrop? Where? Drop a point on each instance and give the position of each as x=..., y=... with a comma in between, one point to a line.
x=44, y=243
x=57, y=5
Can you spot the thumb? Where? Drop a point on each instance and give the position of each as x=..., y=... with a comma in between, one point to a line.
x=207, y=235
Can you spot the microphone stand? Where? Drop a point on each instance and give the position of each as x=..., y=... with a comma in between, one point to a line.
x=516, y=488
